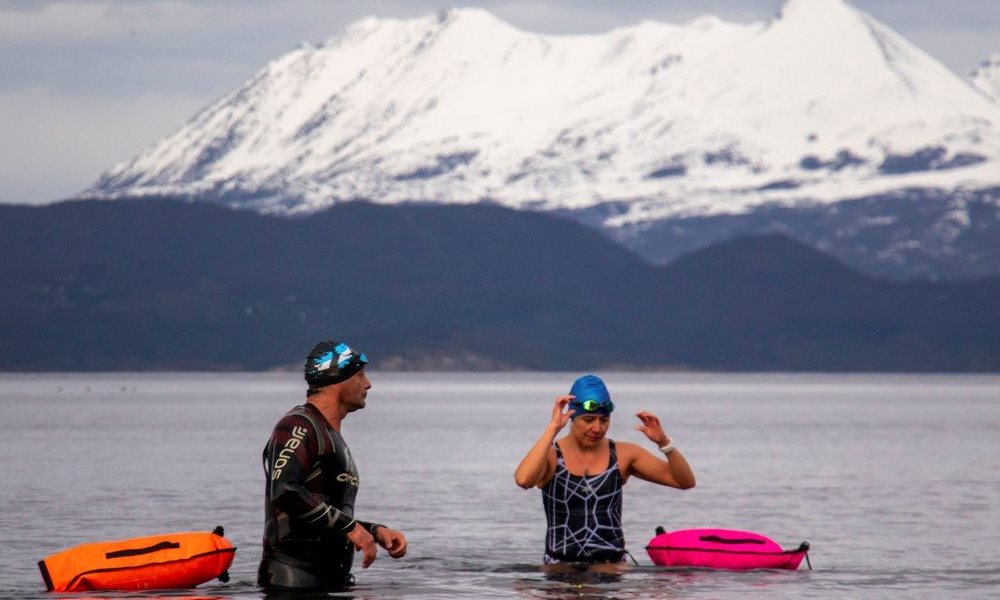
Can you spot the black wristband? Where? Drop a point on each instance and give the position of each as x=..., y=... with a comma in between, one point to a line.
x=373, y=528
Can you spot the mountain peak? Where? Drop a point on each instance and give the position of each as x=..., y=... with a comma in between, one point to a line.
x=823, y=103
x=832, y=26
x=767, y=256
x=470, y=16
x=444, y=19
x=816, y=9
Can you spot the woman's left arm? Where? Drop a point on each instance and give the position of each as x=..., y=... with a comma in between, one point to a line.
x=674, y=471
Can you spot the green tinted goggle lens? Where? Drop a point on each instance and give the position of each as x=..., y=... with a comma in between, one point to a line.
x=594, y=405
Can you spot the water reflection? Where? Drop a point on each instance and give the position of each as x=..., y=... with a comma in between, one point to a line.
x=775, y=443
x=576, y=573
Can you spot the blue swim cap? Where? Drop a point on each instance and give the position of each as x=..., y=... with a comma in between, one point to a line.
x=592, y=397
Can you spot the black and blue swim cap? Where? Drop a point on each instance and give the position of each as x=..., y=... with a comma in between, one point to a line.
x=332, y=362
x=591, y=397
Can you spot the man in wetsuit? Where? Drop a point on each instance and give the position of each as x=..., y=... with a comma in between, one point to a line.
x=310, y=533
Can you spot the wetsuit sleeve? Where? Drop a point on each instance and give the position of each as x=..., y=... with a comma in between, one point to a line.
x=293, y=450
x=372, y=528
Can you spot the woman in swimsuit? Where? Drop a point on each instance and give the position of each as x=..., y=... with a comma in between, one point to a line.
x=581, y=475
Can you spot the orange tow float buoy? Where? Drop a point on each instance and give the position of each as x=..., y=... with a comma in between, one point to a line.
x=168, y=561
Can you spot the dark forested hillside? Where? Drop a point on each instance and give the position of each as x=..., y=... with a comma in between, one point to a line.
x=170, y=285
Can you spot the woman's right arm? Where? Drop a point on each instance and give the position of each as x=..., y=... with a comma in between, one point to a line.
x=536, y=468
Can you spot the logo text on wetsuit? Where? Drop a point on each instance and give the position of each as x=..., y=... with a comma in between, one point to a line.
x=298, y=434
x=348, y=478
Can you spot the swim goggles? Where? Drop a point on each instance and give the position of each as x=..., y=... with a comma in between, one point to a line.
x=596, y=405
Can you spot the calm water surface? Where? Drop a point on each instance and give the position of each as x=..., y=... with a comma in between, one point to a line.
x=894, y=480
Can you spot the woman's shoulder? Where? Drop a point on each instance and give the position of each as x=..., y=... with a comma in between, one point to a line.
x=630, y=446
x=627, y=450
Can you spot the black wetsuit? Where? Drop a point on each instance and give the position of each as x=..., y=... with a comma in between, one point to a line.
x=584, y=514
x=309, y=497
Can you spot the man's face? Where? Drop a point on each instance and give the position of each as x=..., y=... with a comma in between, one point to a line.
x=354, y=391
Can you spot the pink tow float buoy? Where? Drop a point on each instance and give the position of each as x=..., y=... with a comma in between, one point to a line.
x=722, y=549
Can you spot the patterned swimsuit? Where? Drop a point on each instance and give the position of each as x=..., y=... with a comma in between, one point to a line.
x=584, y=514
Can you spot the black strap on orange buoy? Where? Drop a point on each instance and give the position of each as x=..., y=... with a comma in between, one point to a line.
x=220, y=531
x=141, y=551
x=45, y=575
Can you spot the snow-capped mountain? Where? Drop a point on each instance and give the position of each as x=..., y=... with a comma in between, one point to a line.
x=986, y=77
x=819, y=104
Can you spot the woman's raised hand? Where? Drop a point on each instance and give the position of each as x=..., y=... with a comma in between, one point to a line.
x=560, y=415
x=651, y=428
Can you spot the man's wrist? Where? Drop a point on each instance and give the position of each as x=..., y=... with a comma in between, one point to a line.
x=372, y=528
x=668, y=447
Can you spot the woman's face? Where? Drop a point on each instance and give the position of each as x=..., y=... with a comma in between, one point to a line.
x=589, y=430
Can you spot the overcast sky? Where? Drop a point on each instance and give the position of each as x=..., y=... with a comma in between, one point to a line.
x=85, y=84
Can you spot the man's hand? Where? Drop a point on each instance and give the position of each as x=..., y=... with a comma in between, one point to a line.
x=363, y=541
x=393, y=541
